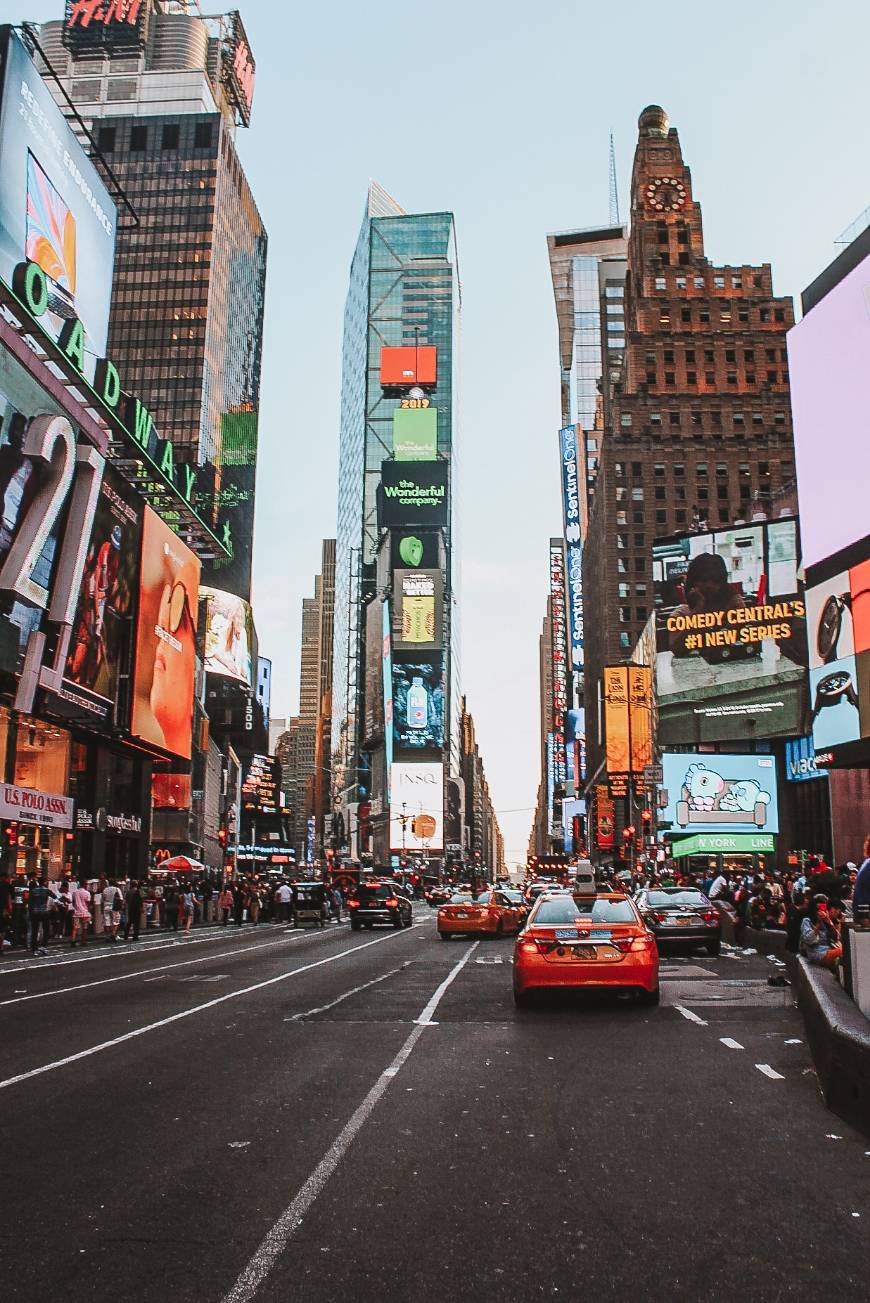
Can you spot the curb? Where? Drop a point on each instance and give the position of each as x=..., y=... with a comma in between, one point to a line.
x=839, y=1040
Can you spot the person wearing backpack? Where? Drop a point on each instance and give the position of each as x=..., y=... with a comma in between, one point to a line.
x=39, y=907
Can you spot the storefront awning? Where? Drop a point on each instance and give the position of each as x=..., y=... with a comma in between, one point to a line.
x=706, y=843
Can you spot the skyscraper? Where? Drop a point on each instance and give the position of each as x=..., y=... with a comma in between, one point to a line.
x=163, y=96
x=398, y=362
x=696, y=419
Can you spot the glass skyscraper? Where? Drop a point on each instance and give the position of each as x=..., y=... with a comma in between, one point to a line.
x=404, y=290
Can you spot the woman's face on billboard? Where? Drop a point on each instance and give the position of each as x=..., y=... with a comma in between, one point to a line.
x=174, y=666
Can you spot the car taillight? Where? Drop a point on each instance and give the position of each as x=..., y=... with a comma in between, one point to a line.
x=658, y=917
x=710, y=916
x=353, y=904
x=528, y=947
x=391, y=902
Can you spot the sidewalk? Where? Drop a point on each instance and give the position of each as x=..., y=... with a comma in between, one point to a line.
x=101, y=941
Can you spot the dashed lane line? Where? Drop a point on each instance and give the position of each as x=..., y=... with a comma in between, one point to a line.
x=770, y=1072
x=730, y=1044
x=692, y=1017
x=355, y=990
x=189, y=1013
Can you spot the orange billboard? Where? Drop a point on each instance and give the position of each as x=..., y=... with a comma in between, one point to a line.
x=407, y=366
x=627, y=691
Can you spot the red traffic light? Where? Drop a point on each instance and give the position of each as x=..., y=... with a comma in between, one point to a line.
x=628, y=832
x=647, y=816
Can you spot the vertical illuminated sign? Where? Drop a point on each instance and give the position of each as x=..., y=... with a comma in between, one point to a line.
x=559, y=638
x=387, y=668
x=573, y=541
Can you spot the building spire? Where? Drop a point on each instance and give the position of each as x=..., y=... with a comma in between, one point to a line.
x=614, y=193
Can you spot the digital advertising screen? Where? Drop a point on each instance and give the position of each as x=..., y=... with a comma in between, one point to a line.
x=165, y=639
x=418, y=609
x=730, y=634
x=409, y=365
x=719, y=793
x=830, y=397
x=412, y=548
x=413, y=493
x=627, y=697
x=373, y=717
x=571, y=514
x=101, y=627
x=415, y=433
x=418, y=702
x=416, y=807
x=229, y=636
x=838, y=636
x=54, y=209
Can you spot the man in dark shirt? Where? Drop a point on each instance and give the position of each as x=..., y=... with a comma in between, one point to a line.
x=134, y=911
x=7, y=899
x=38, y=907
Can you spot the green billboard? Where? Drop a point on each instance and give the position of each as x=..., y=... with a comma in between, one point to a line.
x=415, y=433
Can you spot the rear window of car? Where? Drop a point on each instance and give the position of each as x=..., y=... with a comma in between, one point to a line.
x=515, y=897
x=483, y=898
x=376, y=893
x=675, y=898
x=567, y=910
x=459, y=898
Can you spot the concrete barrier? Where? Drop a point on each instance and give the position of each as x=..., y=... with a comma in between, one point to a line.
x=769, y=941
x=839, y=1040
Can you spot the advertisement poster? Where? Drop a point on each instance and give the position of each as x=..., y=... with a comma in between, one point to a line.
x=800, y=761
x=627, y=718
x=54, y=209
x=604, y=818
x=731, y=634
x=719, y=793
x=101, y=628
x=387, y=676
x=165, y=639
x=571, y=508
x=413, y=493
x=408, y=365
x=373, y=718
x=415, y=433
x=416, y=807
x=418, y=603
x=226, y=492
x=413, y=548
x=228, y=635
x=418, y=703
x=838, y=634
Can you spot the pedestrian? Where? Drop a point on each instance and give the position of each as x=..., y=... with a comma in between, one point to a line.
x=112, y=910
x=799, y=909
x=171, y=905
x=225, y=903
x=81, y=899
x=335, y=904
x=820, y=934
x=188, y=905
x=7, y=898
x=861, y=892
x=254, y=905
x=238, y=903
x=39, y=909
x=133, y=902
x=720, y=887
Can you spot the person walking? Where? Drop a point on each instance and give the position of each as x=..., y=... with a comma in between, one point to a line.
x=134, y=911
x=81, y=899
x=238, y=903
x=225, y=903
x=254, y=905
x=39, y=909
x=171, y=906
x=188, y=904
x=111, y=910
x=7, y=899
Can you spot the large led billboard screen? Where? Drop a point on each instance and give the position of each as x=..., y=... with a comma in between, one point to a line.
x=165, y=639
x=54, y=209
x=409, y=365
x=704, y=792
x=730, y=634
x=415, y=433
x=838, y=634
x=830, y=399
x=416, y=807
x=627, y=696
x=229, y=636
x=413, y=493
x=418, y=702
x=418, y=602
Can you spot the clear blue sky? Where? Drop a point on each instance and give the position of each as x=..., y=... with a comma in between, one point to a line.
x=501, y=112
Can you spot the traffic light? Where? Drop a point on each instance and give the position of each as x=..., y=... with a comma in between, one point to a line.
x=628, y=833
x=222, y=838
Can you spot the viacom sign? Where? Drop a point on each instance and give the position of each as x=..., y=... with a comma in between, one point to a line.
x=573, y=542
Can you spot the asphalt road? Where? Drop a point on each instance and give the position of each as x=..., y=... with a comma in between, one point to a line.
x=321, y=1115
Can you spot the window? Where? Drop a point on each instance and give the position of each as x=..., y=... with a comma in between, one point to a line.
x=661, y=517
x=771, y=377
x=764, y=314
x=750, y=377
x=730, y=355
x=138, y=140
x=690, y=355
x=621, y=518
x=685, y=314
x=709, y=378
x=624, y=640
x=637, y=518
x=670, y=378
x=757, y=418
x=731, y=377
x=739, y=418
x=622, y=542
x=699, y=282
x=681, y=282
x=660, y=282
x=779, y=314
x=722, y=492
x=663, y=236
x=639, y=540
x=660, y=492
x=621, y=566
x=621, y=493
x=743, y=314
x=749, y=354
x=655, y=418
x=704, y=315
x=679, y=470
x=756, y=281
x=680, y=517
x=674, y=418
x=106, y=139
x=725, y=315
x=737, y=282
x=683, y=259
x=779, y=418
x=625, y=614
x=719, y=282
x=623, y=590
x=640, y=613
x=637, y=495
x=202, y=135
x=625, y=420
x=721, y=471
x=639, y=565
x=680, y=492
x=682, y=235
x=664, y=318
x=614, y=292
x=669, y=356
x=770, y=354
x=716, y=418
x=619, y=468
x=659, y=470
x=703, y=493
x=591, y=444
x=724, y=515
x=169, y=136
x=691, y=377
x=697, y=418
x=637, y=468
x=651, y=378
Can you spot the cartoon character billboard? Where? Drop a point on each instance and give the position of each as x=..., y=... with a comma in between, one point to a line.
x=704, y=792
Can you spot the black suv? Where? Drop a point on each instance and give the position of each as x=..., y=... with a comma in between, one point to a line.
x=376, y=901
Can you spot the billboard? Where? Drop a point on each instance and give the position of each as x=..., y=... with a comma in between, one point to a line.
x=416, y=807
x=239, y=70
x=373, y=717
x=413, y=493
x=404, y=367
x=418, y=609
x=838, y=635
x=627, y=694
x=573, y=541
x=106, y=26
x=830, y=398
x=800, y=761
x=229, y=636
x=604, y=818
x=101, y=626
x=415, y=433
x=165, y=639
x=227, y=494
x=418, y=703
x=387, y=676
x=730, y=634
x=412, y=548
x=719, y=793
x=54, y=209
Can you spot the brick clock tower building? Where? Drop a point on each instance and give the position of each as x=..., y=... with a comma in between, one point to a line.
x=697, y=419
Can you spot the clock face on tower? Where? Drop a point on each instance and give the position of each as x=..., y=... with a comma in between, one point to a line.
x=665, y=194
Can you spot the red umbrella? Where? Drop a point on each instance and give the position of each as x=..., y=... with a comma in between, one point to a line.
x=182, y=864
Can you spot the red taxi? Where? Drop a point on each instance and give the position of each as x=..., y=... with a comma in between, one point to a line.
x=491, y=911
x=586, y=942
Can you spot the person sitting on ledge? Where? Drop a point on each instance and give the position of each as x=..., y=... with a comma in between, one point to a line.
x=820, y=933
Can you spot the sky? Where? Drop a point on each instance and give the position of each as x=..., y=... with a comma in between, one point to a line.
x=502, y=113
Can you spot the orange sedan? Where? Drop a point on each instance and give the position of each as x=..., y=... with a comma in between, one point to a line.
x=490, y=912
x=586, y=943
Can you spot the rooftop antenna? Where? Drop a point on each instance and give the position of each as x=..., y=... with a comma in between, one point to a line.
x=614, y=192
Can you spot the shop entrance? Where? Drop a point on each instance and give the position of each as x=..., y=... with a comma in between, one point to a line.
x=121, y=857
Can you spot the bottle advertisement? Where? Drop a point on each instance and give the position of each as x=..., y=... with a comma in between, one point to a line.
x=418, y=704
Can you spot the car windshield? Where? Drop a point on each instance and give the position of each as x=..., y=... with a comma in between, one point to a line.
x=483, y=898
x=515, y=897
x=675, y=898
x=460, y=898
x=567, y=910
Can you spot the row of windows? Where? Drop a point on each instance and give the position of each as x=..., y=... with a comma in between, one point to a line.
x=675, y=418
x=725, y=316
x=165, y=137
x=710, y=378
x=678, y=470
x=691, y=355
x=734, y=282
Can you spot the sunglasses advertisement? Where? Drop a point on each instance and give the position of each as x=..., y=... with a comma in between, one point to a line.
x=165, y=639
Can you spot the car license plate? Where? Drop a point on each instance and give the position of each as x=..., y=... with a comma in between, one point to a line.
x=584, y=953
x=460, y=913
x=566, y=934
x=684, y=922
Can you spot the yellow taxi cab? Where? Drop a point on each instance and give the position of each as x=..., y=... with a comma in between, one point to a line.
x=491, y=912
x=586, y=942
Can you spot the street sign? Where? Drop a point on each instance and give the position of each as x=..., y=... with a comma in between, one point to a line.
x=653, y=775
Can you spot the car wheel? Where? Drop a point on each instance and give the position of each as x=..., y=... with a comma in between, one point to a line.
x=499, y=928
x=369, y=926
x=407, y=920
x=397, y=922
x=714, y=947
x=445, y=936
x=650, y=997
x=354, y=926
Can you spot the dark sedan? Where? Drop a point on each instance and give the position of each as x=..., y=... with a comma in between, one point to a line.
x=681, y=915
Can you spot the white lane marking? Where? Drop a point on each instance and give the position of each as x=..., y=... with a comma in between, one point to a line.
x=188, y=1013
x=426, y=1015
x=160, y=968
x=355, y=990
x=770, y=1072
x=794, y=1041
x=692, y=1017
x=278, y=1237
x=731, y=1044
